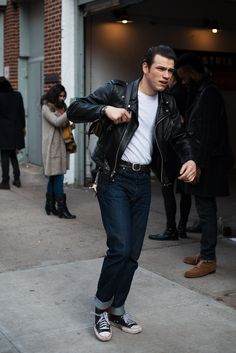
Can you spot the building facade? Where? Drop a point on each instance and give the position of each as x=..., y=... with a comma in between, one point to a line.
x=83, y=44
x=38, y=50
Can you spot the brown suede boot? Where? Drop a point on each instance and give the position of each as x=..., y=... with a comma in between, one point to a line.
x=203, y=268
x=192, y=260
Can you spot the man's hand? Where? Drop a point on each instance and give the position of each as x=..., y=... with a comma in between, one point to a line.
x=188, y=171
x=118, y=115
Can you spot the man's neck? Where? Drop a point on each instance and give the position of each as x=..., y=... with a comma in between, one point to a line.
x=146, y=89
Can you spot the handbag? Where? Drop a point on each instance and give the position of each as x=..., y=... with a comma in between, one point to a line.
x=69, y=140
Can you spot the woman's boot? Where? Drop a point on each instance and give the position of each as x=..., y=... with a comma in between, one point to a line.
x=50, y=204
x=66, y=209
x=63, y=211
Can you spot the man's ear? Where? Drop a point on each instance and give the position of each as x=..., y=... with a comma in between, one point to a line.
x=145, y=68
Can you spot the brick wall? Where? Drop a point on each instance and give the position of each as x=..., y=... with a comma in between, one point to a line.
x=11, y=41
x=52, y=42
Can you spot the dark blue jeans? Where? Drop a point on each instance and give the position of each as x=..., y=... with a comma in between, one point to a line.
x=124, y=202
x=207, y=212
x=55, y=185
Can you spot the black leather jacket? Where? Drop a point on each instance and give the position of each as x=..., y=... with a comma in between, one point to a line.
x=115, y=138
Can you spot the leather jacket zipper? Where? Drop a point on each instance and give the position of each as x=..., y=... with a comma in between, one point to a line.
x=117, y=152
x=158, y=146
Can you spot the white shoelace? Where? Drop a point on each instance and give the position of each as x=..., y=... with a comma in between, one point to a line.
x=128, y=320
x=103, y=322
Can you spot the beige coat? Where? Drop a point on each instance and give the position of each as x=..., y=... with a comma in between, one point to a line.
x=55, y=156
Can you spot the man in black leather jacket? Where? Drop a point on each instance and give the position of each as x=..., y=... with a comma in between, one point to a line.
x=137, y=120
x=207, y=124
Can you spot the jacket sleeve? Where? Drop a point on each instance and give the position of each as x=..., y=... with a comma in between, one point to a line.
x=53, y=119
x=88, y=109
x=211, y=126
x=180, y=140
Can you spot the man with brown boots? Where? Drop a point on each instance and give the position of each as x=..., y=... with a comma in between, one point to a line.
x=207, y=124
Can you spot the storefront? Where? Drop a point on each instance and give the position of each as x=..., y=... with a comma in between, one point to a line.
x=85, y=43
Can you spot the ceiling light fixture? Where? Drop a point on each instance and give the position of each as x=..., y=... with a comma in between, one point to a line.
x=121, y=16
x=213, y=25
x=124, y=21
x=214, y=30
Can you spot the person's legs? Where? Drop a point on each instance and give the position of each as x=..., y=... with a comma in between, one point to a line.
x=207, y=211
x=139, y=205
x=58, y=185
x=170, y=205
x=15, y=167
x=121, y=203
x=60, y=197
x=124, y=205
x=185, y=207
x=170, y=232
x=5, y=155
x=50, y=185
x=206, y=262
x=50, y=197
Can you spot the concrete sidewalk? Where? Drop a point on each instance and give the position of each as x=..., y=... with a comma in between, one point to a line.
x=48, y=310
x=50, y=266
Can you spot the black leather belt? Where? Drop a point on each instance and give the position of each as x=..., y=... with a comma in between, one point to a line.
x=136, y=167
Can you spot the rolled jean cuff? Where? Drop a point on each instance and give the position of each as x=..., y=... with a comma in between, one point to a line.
x=103, y=305
x=118, y=311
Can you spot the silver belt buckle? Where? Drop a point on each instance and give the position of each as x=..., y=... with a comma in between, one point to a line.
x=136, y=167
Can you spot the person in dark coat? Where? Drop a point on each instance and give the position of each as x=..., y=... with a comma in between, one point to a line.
x=12, y=131
x=179, y=92
x=207, y=124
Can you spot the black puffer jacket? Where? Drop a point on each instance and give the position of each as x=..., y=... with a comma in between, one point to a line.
x=115, y=138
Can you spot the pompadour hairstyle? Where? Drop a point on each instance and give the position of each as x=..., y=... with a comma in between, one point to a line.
x=163, y=50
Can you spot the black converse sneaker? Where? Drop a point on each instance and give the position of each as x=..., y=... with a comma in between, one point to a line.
x=125, y=323
x=102, y=327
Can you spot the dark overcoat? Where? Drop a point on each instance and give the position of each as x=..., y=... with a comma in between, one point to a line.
x=207, y=125
x=12, y=121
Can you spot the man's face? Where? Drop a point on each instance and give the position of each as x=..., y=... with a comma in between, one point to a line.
x=185, y=73
x=158, y=75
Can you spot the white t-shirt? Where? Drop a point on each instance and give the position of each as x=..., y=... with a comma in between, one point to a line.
x=139, y=149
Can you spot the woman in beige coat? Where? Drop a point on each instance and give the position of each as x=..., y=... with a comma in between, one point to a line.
x=55, y=155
